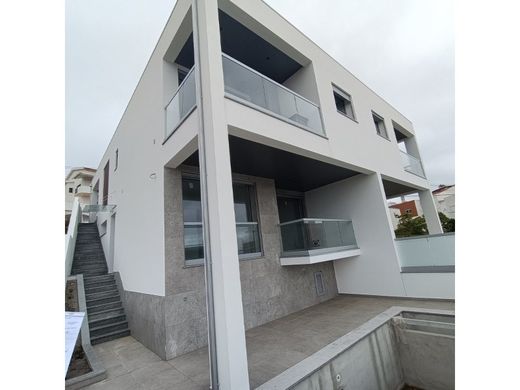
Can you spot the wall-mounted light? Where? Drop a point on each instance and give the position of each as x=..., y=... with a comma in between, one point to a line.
x=153, y=176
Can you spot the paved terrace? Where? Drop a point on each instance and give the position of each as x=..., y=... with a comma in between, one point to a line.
x=271, y=348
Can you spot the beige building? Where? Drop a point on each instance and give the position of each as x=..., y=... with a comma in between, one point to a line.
x=77, y=185
x=444, y=197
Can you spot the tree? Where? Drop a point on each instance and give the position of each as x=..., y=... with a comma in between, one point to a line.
x=411, y=226
x=448, y=224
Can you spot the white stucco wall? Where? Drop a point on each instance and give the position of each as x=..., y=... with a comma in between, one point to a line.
x=425, y=285
x=361, y=199
x=136, y=187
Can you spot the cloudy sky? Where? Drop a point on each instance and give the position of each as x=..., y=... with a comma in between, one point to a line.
x=402, y=49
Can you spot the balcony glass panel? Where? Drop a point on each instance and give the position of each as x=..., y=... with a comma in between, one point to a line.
x=427, y=251
x=252, y=87
x=181, y=104
x=311, y=234
x=412, y=164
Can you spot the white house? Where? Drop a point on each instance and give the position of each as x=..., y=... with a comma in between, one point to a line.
x=445, y=200
x=300, y=157
x=77, y=185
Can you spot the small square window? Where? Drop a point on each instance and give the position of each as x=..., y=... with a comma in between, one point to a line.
x=70, y=190
x=343, y=103
x=380, y=125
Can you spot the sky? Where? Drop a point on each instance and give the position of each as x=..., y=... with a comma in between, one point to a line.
x=401, y=49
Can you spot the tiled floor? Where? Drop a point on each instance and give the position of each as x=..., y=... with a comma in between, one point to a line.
x=271, y=348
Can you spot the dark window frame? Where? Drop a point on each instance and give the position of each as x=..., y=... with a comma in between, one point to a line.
x=255, y=215
x=345, y=97
x=378, y=119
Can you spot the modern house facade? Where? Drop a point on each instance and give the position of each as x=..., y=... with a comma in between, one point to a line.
x=300, y=159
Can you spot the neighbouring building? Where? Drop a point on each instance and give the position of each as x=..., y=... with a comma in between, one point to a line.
x=77, y=185
x=395, y=213
x=410, y=207
x=445, y=200
x=301, y=157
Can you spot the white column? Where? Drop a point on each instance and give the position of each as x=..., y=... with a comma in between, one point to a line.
x=227, y=294
x=430, y=212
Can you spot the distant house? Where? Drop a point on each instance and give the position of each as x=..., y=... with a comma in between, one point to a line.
x=411, y=207
x=445, y=200
x=77, y=185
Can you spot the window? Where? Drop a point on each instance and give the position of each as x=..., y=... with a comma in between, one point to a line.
x=117, y=160
x=106, y=172
x=408, y=211
x=380, y=125
x=70, y=190
x=343, y=103
x=246, y=217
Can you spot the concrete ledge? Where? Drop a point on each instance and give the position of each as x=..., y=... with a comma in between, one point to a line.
x=319, y=258
x=302, y=370
x=98, y=372
x=428, y=269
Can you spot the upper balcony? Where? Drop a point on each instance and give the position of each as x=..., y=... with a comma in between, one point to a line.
x=83, y=190
x=254, y=89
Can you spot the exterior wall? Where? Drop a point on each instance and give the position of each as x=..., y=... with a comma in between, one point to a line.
x=137, y=186
x=362, y=200
x=269, y=291
x=347, y=141
x=426, y=285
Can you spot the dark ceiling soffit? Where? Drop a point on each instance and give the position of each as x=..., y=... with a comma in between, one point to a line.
x=290, y=171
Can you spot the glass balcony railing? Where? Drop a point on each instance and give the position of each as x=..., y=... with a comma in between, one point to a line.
x=412, y=164
x=432, y=253
x=181, y=104
x=311, y=235
x=253, y=88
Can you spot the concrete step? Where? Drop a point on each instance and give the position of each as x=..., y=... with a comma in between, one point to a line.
x=105, y=287
x=110, y=336
x=100, y=315
x=100, y=279
x=100, y=301
x=89, y=274
x=94, y=309
x=108, y=328
x=101, y=294
x=107, y=320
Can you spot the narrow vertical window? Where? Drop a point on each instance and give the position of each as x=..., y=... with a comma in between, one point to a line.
x=117, y=160
x=380, y=125
x=343, y=102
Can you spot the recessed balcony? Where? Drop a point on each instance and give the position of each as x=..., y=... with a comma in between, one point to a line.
x=247, y=86
x=315, y=240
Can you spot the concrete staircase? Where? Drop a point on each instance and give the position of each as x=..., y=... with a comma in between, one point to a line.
x=106, y=316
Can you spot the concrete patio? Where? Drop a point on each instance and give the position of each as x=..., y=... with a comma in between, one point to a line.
x=271, y=348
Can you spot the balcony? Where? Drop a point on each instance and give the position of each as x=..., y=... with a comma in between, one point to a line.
x=253, y=89
x=314, y=240
x=412, y=164
x=427, y=254
x=83, y=190
x=181, y=104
